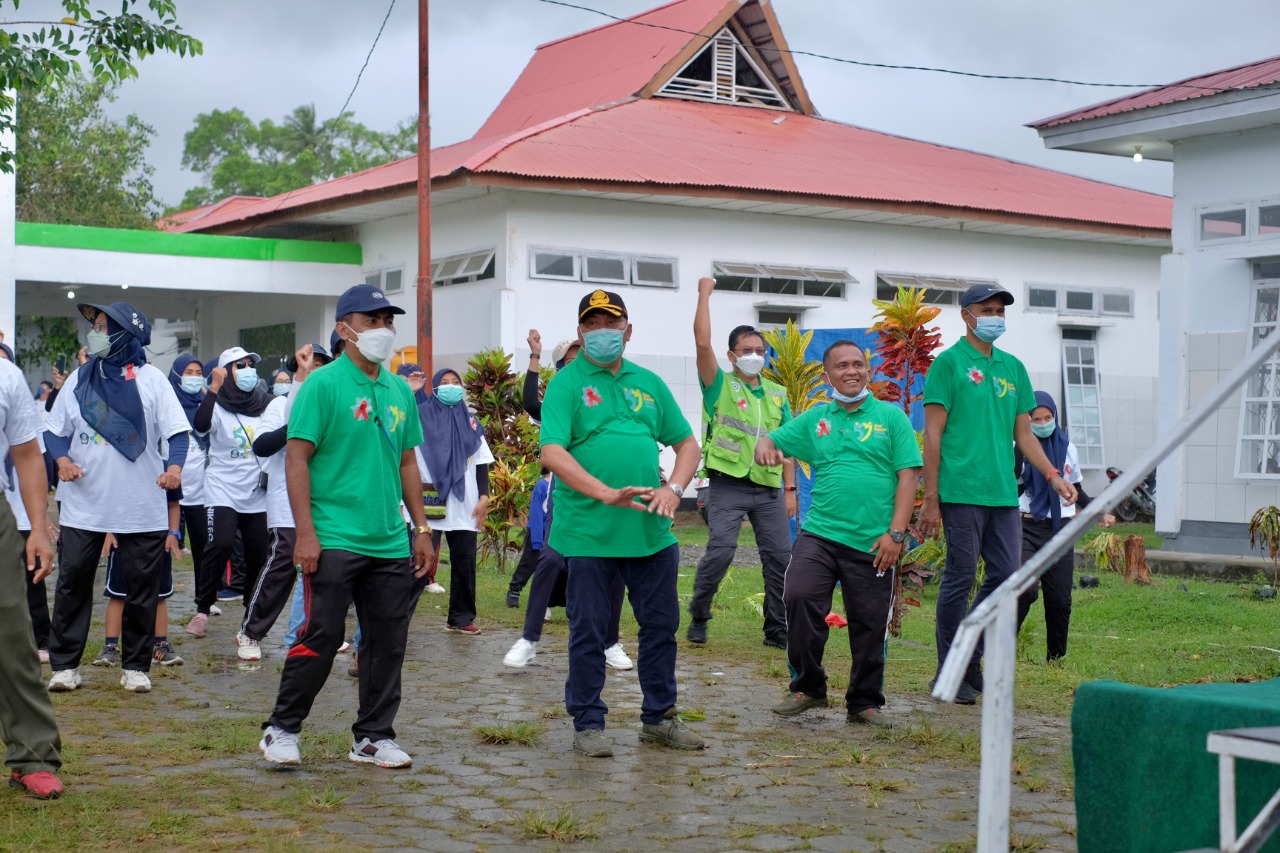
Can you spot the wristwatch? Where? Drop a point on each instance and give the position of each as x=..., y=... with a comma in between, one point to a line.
x=898, y=536
x=679, y=490
x=423, y=528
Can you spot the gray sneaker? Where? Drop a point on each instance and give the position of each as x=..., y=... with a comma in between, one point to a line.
x=671, y=732
x=593, y=743
x=109, y=656
x=798, y=703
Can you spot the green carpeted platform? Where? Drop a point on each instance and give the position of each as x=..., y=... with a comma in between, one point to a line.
x=1145, y=782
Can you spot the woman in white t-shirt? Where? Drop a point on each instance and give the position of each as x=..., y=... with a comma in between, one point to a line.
x=1043, y=514
x=454, y=460
x=235, y=481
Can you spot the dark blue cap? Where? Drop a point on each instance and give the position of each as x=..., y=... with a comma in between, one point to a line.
x=124, y=315
x=983, y=292
x=364, y=299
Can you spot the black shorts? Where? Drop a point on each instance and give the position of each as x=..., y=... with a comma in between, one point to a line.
x=117, y=585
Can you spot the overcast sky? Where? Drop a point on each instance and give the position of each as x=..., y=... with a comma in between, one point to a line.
x=269, y=56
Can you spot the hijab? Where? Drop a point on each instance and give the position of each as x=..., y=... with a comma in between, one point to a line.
x=237, y=402
x=107, y=387
x=408, y=369
x=1045, y=502
x=190, y=402
x=450, y=437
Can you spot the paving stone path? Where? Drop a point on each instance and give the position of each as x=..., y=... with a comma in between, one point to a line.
x=763, y=783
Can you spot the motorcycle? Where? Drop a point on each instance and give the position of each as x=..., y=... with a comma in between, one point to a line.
x=1138, y=504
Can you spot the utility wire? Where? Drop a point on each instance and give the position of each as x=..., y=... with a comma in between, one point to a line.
x=367, y=58
x=894, y=67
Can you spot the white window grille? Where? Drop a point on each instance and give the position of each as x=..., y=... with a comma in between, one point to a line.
x=388, y=279
x=938, y=290
x=724, y=72
x=653, y=272
x=1084, y=399
x=597, y=267
x=781, y=279
x=1079, y=301
x=462, y=268
x=554, y=263
x=1260, y=412
x=606, y=269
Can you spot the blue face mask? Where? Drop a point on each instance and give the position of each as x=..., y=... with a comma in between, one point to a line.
x=450, y=395
x=604, y=346
x=1044, y=430
x=192, y=384
x=246, y=379
x=989, y=328
x=845, y=398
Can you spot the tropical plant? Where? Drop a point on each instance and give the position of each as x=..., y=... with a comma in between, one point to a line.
x=40, y=340
x=1264, y=529
x=802, y=377
x=906, y=342
x=1106, y=550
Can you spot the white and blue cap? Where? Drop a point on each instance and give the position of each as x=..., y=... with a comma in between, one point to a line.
x=364, y=299
x=983, y=292
x=231, y=356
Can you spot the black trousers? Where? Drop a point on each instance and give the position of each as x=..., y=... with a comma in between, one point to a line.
x=548, y=578
x=275, y=584
x=141, y=556
x=1056, y=583
x=816, y=565
x=462, y=576
x=380, y=589
x=526, y=567
x=194, y=517
x=220, y=536
x=38, y=604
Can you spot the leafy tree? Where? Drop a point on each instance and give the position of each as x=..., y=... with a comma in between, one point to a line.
x=41, y=54
x=76, y=166
x=235, y=156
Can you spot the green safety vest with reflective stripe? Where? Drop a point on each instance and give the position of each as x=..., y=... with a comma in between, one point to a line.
x=740, y=419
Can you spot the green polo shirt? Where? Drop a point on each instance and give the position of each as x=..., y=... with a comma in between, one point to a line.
x=983, y=397
x=359, y=427
x=856, y=458
x=612, y=425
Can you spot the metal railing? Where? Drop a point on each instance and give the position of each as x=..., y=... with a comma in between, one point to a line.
x=996, y=618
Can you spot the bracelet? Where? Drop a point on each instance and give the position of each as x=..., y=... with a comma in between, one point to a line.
x=176, y=534
x=789, y=488
x=1052, y=473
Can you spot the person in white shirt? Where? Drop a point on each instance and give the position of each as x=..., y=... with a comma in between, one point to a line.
x=105, y=432
x=1043, y=514
x=235, y=481
x=454, y=460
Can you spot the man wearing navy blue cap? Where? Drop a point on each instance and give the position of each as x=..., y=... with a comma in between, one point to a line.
x=349, y=464
x=977, y=403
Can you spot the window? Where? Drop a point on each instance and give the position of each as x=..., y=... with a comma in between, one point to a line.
x=273, y=343
x=1118, y=303
x=1066, y=299
x=551, y=263
x=1042, y=298
x=781, y=279
x=1079, y=301
x=606, y=269
x=462, y=268
x=778, y=317
x=1260, y=413
x=1083, y=396
x=938, y=290
x=654, y=272
x=602, y=267
x=389, y=280
x=1223, y=224
x=724, y=72
x=1268, y=219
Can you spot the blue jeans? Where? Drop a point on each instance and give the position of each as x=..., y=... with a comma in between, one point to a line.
x=993, y=533
x=651, y=587
x=297, y=614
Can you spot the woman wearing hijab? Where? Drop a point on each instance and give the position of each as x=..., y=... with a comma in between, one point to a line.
x=187, y=378
x=281, y=383
x=235, y=484
x=1043, y=514
x=119, y=409
x=454, y=461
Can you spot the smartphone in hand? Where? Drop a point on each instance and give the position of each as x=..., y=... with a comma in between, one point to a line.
x=61, y=363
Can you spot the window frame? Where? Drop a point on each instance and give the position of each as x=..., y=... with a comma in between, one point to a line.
x=637, y=281
x=1049, y=288
x=378, y=278
x=955, y=285
x=463, y=277
x=1272, y=402
x=801, y=274
x=1271, y=201
x=1247, y=208
x=607, y=256
x=534, y=251
x=1076, y=430
x=1117, y=291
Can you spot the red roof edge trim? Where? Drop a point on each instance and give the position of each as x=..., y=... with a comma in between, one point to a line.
x=630, y=20
x=477, y=160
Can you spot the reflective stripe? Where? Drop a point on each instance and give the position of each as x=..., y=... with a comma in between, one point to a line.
x=728, y=445
x=735, y=423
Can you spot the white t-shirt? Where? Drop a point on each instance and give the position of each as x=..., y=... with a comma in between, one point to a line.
x=193, y=473
x=458, y=512
x=279, y=513
x=20, y=422
x=116, y=495
x=1070, y=473
x=231, y=480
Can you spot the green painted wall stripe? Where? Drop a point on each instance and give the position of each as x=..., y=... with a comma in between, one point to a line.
x=185, y=245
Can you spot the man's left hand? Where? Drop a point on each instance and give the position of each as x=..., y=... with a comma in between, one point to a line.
x=793, y=504
x=172, y=545
x=1064, y=489
x=664, y=502
x=887, y=553
x=39, y=555
x=423, y=554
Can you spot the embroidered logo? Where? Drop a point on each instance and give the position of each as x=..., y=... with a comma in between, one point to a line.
x=395, y=417
x=129, y=372
x=866, y=428
x=975, y=376
x=137, y=321
x=591, y=397
x=742, y=404
x=361, y=409
x=1004, y=386
x=824, y=428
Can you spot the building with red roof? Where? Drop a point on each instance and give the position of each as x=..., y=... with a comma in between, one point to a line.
x=680, y=143
x=1220, y=286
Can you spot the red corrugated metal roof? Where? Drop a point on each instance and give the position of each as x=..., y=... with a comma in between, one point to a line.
x=1261, y=73
x=599, y=67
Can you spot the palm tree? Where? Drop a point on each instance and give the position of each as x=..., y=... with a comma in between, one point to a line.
x=301, y=132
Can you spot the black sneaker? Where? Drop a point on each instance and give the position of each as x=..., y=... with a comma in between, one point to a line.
x=513, y=599
x=973, y=678
x=964, y=696
x=697, y=631
x=776, y=642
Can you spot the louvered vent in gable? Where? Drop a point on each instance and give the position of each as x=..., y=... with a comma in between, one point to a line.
x=723, y=72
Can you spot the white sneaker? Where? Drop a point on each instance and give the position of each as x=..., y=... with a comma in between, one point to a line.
x=435, y=588
x=547, y=616
x=345, y=647
x=616, y=658
x=279, y=746
x=215, y=610
x=64, y=680
x=384, y=753
x=521, y=653
x=135, y=681
x=43, y=655
x=249, y=648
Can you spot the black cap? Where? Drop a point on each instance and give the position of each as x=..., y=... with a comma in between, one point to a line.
x=364, y=299
x=983, y=292
x=602, y=300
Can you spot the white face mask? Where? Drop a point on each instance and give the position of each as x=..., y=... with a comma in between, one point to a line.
x=375, y=344
x=750, y=365
x=281, y=388
x=99, y=343
x=192, y=384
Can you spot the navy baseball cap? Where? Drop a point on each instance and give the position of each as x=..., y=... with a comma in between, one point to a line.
x=602, y=300
x=364, y=299
x=983, y=292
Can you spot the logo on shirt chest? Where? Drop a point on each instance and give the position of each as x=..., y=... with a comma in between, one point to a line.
x=360, y=411
x=976, y=376
x=1004, y=386
x=866, y=429
x=243, y=437
x=824, y=428
x=591, y=397
x=638, y=399
x=129, y=372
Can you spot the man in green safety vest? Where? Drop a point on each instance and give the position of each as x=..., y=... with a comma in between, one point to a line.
x=741, y=407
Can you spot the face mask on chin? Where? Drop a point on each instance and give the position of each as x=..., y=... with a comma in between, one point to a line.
x=375, y=344
x=845, y=398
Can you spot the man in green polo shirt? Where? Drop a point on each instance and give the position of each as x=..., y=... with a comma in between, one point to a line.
x=603, y=418
x=977, y=405
x=350, y=463
x=866, y=464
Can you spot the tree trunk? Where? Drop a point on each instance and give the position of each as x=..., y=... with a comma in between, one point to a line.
x=1135, y=558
